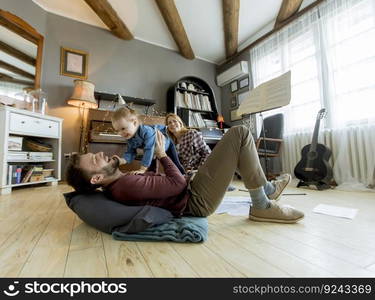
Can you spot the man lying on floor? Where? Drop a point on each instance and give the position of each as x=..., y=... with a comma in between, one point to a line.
x=202, y=194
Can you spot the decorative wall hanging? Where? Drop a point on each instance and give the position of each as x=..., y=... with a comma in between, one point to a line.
x=74, y=63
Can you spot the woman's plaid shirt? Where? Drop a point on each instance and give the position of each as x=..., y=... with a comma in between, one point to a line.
x=192, y=150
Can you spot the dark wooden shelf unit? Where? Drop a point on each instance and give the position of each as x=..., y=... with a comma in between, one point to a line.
x=201, y=88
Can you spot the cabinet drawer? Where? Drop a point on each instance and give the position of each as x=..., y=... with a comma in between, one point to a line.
x=34, y=126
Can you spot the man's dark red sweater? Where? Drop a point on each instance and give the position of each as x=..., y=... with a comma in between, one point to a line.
x=168, y=191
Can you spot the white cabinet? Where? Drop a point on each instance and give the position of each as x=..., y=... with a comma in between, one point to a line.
x=22, y=123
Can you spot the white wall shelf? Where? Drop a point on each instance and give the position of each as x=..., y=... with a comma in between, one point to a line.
x=18, y=122
x=52, y=180
x=30, y=160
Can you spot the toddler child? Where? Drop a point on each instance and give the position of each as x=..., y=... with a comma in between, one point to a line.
x=126, y=122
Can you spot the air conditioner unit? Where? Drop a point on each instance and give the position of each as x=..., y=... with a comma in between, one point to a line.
x=238, y=70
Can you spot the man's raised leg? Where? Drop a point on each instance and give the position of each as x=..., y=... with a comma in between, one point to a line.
x=235, y=150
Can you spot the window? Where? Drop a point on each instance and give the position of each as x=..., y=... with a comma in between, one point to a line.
x=331, y=54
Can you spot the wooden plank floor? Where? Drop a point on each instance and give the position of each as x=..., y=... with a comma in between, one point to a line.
x=41, y=237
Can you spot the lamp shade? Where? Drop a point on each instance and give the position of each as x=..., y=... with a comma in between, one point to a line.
x=83, y=94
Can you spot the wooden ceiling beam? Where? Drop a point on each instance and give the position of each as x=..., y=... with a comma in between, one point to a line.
x=231, y=13
x=268, y=34
x=17, y=54
x=288, y=9
x=172, y=18
x=108, y=15
x=16, y=70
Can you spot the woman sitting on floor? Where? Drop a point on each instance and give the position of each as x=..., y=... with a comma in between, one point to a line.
x=191, y=148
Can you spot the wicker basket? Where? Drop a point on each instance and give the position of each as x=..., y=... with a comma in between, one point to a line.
x=47, y=172
x=37, y=146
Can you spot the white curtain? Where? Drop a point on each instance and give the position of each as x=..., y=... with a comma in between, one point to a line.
x=331, y=54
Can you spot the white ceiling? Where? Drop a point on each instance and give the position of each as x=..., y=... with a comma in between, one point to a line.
x=202, y=19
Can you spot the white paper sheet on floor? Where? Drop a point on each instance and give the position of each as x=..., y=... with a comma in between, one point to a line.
x=336, y=211
x=235, y=206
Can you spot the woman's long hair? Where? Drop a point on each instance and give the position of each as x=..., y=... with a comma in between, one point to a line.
x=183, y=129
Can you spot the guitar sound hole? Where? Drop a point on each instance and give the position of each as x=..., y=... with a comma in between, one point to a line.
x=312, y=155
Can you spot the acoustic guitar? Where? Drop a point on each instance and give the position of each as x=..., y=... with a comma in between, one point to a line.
x=313, y=168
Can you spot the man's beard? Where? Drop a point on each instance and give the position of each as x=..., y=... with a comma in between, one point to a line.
x=111, y=168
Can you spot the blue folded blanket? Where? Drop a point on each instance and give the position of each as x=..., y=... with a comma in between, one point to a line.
x=180, y=230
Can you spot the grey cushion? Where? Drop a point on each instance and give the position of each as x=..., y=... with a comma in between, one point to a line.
x=104, y=214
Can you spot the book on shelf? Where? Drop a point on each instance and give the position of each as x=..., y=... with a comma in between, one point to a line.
x=27, y=171
x=15, y=143
x=14, y=174
x=197, y=102
x=24, y=155
x=37, y=174
x=16, y=155
x=210, y=123
x=24, y=173
x=179, y=99
x=18, y=174
x=206, y=105
x=9, y=178
x=187, y=100
x=192, y=101
x=196, y=120
x=41, y=155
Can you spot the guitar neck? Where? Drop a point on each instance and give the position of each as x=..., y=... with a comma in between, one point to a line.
x=314, y=141
x=312, y=151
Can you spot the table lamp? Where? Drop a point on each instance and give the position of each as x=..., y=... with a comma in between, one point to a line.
x=83, y=97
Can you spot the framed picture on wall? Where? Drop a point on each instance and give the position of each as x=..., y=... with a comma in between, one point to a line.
x=233, y=86
x=74, y=63
x=233, y=101
x=244, y=82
